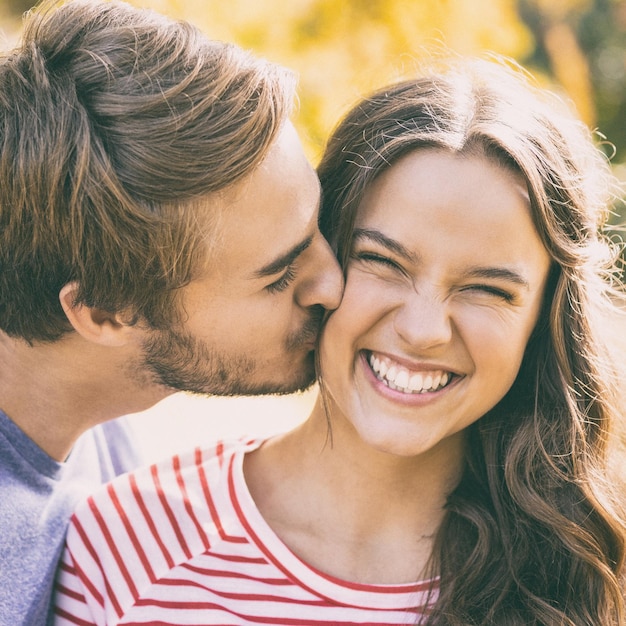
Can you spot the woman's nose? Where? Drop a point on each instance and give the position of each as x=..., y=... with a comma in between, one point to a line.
x=423, y=321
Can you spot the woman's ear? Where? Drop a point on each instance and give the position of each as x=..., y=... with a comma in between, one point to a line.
x=93, y=324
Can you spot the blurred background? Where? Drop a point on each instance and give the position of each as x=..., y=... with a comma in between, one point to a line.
x=344, y=48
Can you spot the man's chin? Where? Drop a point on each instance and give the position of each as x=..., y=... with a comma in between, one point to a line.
x=246, y=389
x=235, y=379
x=277, y=388
x=293, y=381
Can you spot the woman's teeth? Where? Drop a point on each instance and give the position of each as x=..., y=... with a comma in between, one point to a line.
x=401, y=379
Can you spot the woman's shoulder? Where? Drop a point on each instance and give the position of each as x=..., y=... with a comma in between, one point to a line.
x=176, y=477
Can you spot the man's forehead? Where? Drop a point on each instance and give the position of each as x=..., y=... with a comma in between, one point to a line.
x=252, y=251
x=263, y=222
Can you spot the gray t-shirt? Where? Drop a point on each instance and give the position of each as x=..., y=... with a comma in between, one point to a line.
x=37, y=497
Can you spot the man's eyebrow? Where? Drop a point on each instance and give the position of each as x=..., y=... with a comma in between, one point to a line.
x=278, y=265
x=391, y=244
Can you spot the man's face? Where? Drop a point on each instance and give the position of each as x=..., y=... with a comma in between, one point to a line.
x=249, y=325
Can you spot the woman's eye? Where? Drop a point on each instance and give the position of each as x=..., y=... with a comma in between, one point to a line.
x=491, y=291
x=283, y=282
x=371, y=257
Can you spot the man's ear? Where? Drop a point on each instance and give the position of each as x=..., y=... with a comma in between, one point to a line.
x=96, y=325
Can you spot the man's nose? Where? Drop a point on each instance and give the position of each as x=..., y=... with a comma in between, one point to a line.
x=323, y=282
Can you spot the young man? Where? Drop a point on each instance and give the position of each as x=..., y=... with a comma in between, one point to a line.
x=158, y=232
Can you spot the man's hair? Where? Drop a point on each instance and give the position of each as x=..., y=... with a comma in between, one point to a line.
x=114, y=123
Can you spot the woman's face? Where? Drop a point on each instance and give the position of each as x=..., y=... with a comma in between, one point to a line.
x=444, y=286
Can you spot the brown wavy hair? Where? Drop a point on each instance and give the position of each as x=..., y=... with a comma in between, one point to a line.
x=533, y=533
x=116, y=126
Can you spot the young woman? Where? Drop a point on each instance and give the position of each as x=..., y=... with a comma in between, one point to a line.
x=455, y=470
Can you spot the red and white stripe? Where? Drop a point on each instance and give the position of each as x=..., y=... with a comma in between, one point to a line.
x=181, y=543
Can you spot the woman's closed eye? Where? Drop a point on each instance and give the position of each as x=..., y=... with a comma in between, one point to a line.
x=375, y=258
x=481, y=289
x=491, y=290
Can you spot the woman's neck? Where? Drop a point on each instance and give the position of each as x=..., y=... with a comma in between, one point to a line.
x=351, y=511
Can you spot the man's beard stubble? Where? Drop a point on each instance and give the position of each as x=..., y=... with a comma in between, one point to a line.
x=180, y=361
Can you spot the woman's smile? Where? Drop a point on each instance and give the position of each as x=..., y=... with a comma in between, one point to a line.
x=407, y=380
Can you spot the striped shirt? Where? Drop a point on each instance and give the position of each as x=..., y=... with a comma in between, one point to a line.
x=181, y=542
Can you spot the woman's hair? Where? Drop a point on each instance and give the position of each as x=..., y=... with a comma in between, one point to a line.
x=533, y=533
x=116, y=123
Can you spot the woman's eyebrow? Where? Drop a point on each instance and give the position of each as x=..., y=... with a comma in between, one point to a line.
x=391, y=244
x=502, y=273
x=498, y=273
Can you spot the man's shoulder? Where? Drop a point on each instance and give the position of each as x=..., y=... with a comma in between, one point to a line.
x=116, y=446
x=147, y=522
x=39, y=496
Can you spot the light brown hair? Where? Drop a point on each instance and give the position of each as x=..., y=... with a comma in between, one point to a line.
x=115, y=124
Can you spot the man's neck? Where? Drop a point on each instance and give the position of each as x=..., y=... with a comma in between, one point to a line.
x=56, y=391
